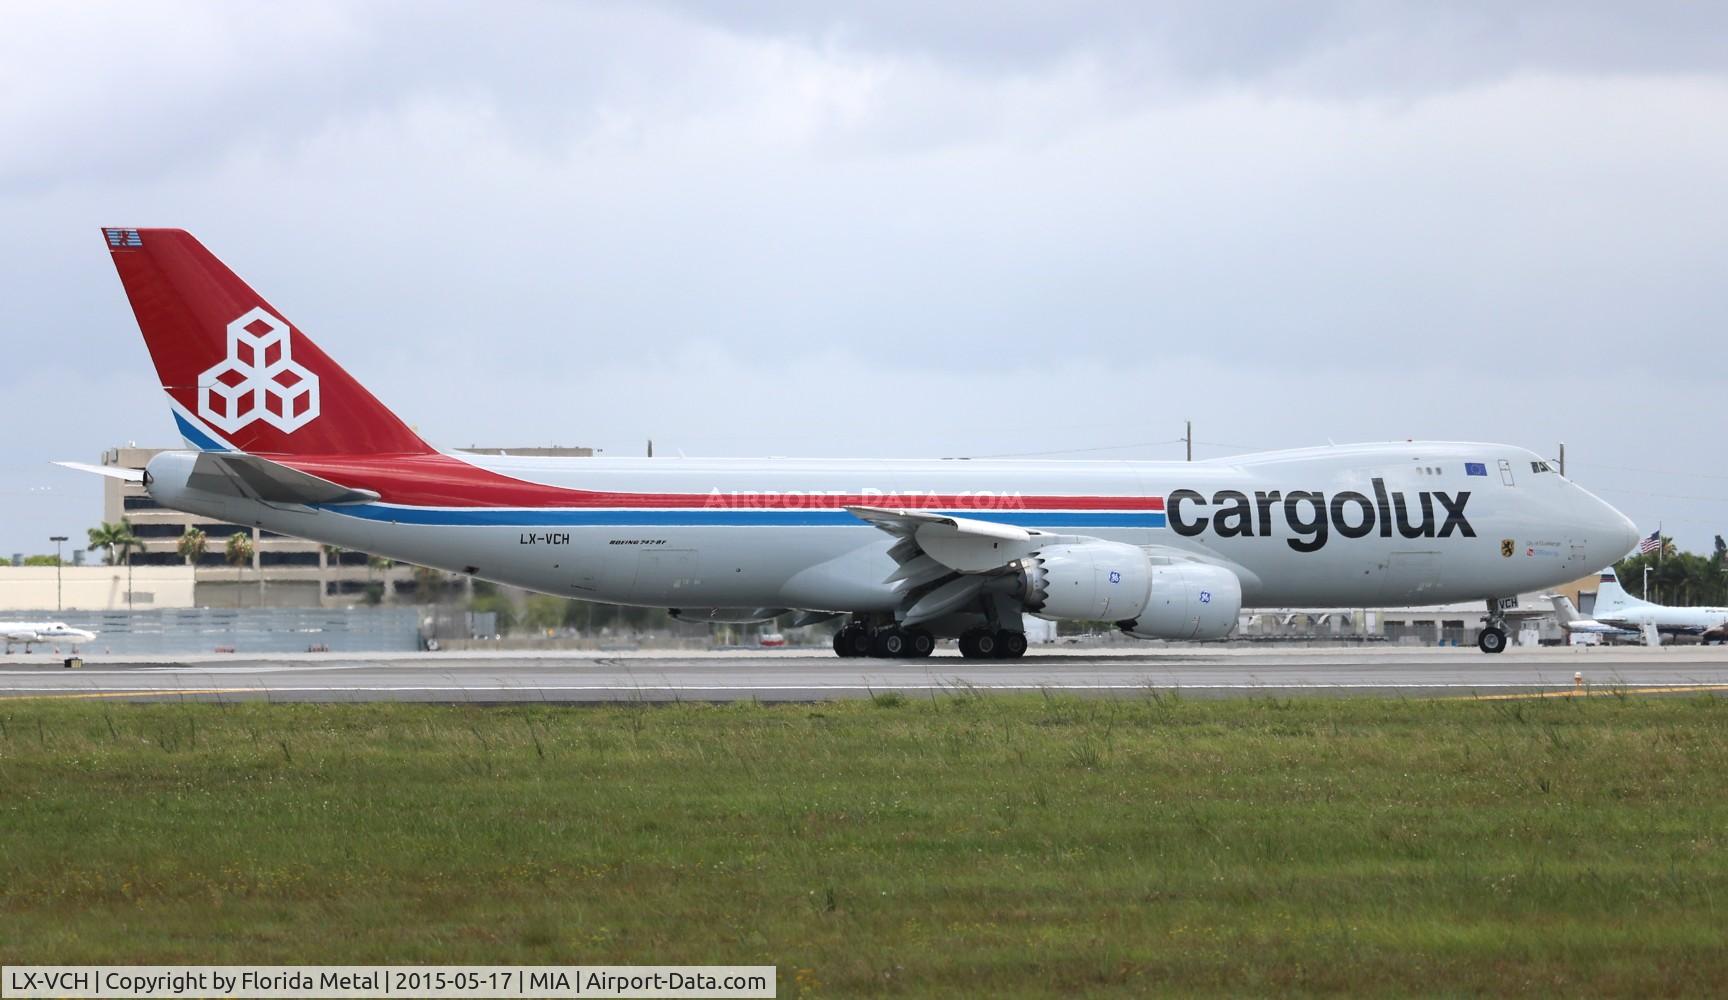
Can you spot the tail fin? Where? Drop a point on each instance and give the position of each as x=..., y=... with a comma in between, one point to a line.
x=1563, y=608
x=239, y=375
x=1609, y=596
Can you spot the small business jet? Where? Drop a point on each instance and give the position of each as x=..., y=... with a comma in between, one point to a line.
x=909, y=552
x=37, y=633
x=1574, y=623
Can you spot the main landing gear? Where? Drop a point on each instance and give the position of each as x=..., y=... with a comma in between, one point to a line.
x=897, y=643
x=892, y=642
x=988, y=644
x=1493, y=636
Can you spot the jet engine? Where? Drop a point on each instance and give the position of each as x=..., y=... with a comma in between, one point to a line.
x=1113, y=581
x=1188, y=601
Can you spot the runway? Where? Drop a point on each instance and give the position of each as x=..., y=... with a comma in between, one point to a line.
x=809, y=675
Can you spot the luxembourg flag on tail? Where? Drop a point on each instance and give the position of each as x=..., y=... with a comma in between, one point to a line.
x=1652, y=543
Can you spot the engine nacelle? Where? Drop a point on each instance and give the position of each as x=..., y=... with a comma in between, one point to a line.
x=1113, y=581
x=1086, y=581
x=1188, y=601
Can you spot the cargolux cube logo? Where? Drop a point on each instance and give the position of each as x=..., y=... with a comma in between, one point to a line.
x=258, y=380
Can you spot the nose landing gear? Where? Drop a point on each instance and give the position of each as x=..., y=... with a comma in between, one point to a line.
x=1493, y=636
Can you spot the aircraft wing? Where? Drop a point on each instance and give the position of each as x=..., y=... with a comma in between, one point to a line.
x=941, y=559
x=956, y=544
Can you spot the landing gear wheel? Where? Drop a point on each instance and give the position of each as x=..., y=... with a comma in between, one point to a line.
x=853, y=640
x=1010, y=645
x=1492, y=640
x=921, y=644
x=979, y=644
x=891, y=643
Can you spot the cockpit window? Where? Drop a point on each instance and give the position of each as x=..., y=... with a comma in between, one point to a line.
x=1541, y=467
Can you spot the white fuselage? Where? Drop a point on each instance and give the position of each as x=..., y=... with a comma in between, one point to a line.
x=1690, y=620
x=1393, y=524
x=37, y=633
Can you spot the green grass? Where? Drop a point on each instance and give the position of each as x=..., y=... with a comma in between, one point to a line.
x=896, y=845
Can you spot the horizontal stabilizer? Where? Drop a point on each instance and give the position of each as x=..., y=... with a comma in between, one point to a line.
x=257, y=478
x=111, y=471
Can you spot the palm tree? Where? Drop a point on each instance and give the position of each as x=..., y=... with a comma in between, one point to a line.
x=238, y=552
x=384, y=566
x=332, y=557
x=427, y=582
x=192, y=545
x=117, y=541
x=114, y=539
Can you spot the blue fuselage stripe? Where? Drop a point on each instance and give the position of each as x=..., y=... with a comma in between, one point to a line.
x=199, y=439
x=706, y=517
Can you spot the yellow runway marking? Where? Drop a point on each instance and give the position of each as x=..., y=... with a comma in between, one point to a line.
x=1596, y=692
x=145, y=693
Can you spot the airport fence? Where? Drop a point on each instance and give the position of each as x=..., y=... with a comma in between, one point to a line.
x=243, y=630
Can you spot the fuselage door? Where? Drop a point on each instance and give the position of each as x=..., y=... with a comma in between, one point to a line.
x=1506, y=472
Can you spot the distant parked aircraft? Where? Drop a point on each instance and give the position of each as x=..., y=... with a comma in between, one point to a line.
x=1617, y=608
x=1575, y=623
x=36, y=633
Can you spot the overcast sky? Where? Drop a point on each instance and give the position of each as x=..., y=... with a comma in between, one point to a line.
x=898, y=229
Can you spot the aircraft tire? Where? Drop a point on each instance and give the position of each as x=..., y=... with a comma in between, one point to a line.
x=891, y=644
x=978, y=644
x=921, y=644
x=1010, y=645
x=851, y=641
x=1492, y=640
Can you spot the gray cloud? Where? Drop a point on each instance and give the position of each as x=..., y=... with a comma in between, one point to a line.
x=895, y=229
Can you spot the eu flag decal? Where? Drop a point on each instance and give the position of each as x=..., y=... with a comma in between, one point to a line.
x=123, y=237
x=1475, y=468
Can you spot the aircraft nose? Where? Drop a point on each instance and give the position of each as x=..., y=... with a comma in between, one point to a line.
x=1611, y=533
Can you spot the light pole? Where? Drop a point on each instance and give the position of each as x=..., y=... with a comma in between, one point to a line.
x=57, y=539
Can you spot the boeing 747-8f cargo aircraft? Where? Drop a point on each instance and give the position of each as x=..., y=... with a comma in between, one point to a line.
x=280, y=436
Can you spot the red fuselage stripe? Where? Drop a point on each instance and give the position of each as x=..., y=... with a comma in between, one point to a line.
x=443, y=481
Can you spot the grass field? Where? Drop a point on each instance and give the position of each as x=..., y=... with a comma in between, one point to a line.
x=971, y=845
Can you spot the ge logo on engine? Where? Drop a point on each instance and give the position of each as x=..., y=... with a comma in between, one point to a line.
x=1205, y=597
x=259, y=380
